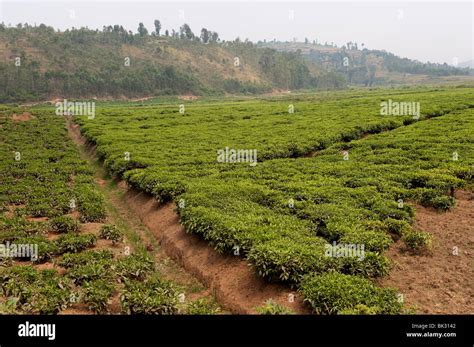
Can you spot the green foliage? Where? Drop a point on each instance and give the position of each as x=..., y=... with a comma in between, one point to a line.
x=245, y=210
x=97, y=294
x=74, y=243
x=46, y=249
x=236, y=86
x=153, y=296
x=397, y=227
x=47, y=180
x=90, y=204
x=159, y=68
x=49, y=176
x=442, y=203
x=90, y=272
x=110, y=232
x=70, y=260
x=19, y=225
x=360, y=309
x=64, y=224
x=286, y=260
x=335, y=293
x=418, y=241
x=35, y=291
x=202, y=306
x=135, y=266
x=273, y=308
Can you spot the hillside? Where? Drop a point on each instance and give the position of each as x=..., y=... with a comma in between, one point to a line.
x=39, y=63
x=115, y=63
x=361, y=66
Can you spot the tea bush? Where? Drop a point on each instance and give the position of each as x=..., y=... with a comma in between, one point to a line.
x=418, y=241
x=70, y=260
x=74, y=243
x=153, y=296
x=273, y=308
x=97, y=294
x=335, y=293
x=202, y=306
x=110, y=232
x=135, y=266
x=64, y=224
x=36, y=291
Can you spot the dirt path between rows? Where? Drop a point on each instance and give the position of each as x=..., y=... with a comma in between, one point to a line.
x=443, y=281
x=236, y=287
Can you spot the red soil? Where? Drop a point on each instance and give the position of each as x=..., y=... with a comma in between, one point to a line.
x=440, y=282
x=24, y=117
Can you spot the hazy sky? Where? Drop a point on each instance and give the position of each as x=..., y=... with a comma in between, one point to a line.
x=428, y=31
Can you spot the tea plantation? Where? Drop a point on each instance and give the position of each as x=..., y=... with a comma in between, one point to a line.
x=51, y=206
x=331, y=171
x=331, y=176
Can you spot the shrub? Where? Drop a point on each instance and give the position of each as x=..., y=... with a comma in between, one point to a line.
x=135, y=266
x=90, y=204
x=376, y=241
x=46, y=248
x=20, y=225
x=74, y=243
x=97, y=294
x=285, y=260
x=70, y=260
x=111, y=232
x=64, y=224
x=397, y=227
x=39, y=208
x=418, y=241
x=89, y=272
x=273, y=308
x=9, y=306
x=153, y=296
x=359, y=309
x=443, y=202
x=372, y=265
x=431, y=197
x=36, y=291
x=334, y=293
x=202, y=306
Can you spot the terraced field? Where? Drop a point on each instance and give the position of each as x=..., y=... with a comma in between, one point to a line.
x=332, y=175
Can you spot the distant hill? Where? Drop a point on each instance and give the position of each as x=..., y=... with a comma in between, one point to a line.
x=468, y=64
x=361, y=66
x=38, y=63
x=117, y=63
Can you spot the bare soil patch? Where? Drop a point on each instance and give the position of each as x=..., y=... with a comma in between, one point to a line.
x=24, y=117
x=188, y=97
x=442, y=282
